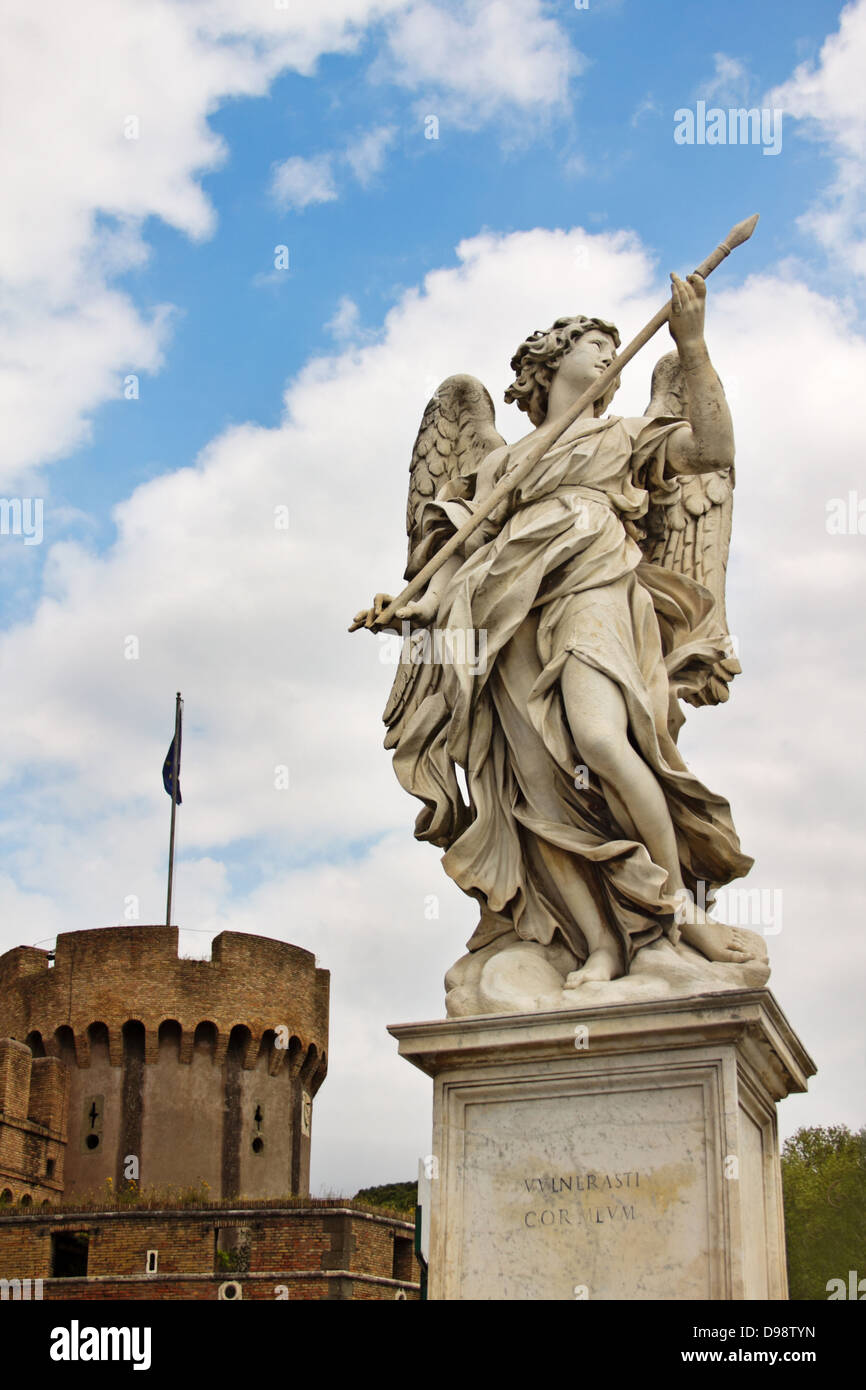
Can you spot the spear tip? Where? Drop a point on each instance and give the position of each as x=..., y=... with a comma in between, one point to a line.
x=743, y=230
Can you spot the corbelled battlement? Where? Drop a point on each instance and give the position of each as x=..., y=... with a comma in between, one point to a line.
x=112, y=976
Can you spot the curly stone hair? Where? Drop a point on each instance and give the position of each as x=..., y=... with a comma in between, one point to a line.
x=536, y=360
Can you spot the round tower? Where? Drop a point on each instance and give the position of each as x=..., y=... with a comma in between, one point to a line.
x=182, y=1072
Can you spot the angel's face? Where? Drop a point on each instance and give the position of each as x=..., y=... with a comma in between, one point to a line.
x=585, y=361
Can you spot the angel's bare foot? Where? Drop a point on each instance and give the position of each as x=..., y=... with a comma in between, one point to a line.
x=718, y=942
x=601, y=964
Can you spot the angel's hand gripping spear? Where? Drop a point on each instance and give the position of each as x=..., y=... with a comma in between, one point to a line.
x=523, y=456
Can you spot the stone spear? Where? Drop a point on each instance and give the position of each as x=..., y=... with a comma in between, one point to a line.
x=537, y=444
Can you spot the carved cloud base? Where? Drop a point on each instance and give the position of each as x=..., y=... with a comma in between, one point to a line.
x=620, y=1152
x=513, y=976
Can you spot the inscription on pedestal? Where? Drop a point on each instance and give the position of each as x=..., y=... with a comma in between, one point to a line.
x=594, y=1195
x=587, y=1183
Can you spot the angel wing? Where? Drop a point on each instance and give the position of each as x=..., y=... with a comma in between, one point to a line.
x=692, y=536
x=457, y=433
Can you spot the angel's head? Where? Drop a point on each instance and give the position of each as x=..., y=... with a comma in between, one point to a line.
x=539, y=358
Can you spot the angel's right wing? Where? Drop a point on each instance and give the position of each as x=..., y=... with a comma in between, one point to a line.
x=457, y=433
x=691, y=535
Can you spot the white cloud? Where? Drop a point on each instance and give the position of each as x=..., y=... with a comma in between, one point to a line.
x=366, y=154
x=346, y=321
x=250, y=623
x=731, y=83
x=647, y=107
x=298, y=182
x=62, y=356
x=473, y=61
x=111, y=103
x=576, y=166
x=106, y=125
x=830, y=98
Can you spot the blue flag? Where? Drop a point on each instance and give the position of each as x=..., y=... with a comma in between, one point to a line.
x=168, y=772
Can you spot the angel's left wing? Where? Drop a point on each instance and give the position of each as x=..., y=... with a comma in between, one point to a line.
x=692, y=536
x=457, y=433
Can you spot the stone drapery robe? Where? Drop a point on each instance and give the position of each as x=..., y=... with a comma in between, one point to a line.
x=563, y=580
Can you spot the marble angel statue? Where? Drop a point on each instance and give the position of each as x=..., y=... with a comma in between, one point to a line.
x=598, y=585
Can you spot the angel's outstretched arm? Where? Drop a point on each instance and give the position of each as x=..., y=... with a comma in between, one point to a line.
x=425, y=608
x=707, y=444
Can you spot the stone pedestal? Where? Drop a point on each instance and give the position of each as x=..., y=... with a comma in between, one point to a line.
x=628, y=1151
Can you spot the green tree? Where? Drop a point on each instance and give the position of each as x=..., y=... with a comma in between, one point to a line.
x=396, y=1196
x=824, y=1183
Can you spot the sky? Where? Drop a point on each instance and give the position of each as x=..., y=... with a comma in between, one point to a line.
x=242, y=242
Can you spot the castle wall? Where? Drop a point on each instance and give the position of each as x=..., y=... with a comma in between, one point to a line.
x=269, y=1169
x=184, y=1108
x=315, y=1251
x=96, y=1086
x=203, y=1071
x=33, y=1118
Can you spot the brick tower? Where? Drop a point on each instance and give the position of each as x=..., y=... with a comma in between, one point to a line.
x=199, y=1070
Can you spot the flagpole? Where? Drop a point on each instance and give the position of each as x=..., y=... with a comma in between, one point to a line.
x=175, y=765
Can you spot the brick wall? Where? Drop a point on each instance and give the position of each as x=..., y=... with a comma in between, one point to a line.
x=316, y=1252
x=33, y=1124
x=273, y=1287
